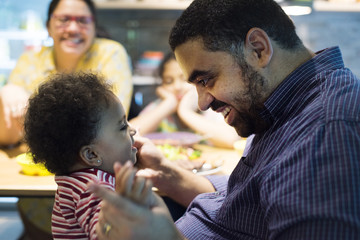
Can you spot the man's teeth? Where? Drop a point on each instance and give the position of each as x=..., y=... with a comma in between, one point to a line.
x=226, y=111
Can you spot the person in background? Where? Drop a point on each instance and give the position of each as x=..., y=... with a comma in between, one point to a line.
x=300, y=178
x=72, y=25
x=78, y=129
x=177, y=110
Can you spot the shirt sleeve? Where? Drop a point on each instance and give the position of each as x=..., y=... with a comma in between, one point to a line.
x=32, y=68
x=26, y=73
x=87, y=211
x=219, y=182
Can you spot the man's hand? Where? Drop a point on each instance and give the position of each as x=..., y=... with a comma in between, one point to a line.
x=120, y=218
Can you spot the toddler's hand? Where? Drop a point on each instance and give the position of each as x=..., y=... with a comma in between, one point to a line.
x=138, y=189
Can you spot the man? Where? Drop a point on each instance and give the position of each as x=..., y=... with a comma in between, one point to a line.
x=301, y=176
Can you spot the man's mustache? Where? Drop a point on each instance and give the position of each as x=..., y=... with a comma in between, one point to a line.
x=216, y=104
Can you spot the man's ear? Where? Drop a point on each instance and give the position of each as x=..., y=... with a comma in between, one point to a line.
x=258, y=45
x=89, y=156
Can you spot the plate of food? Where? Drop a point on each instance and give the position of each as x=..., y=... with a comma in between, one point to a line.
x=190, y=158
x=175, y=138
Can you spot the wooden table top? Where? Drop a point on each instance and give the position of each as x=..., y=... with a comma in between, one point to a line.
x=13, y=183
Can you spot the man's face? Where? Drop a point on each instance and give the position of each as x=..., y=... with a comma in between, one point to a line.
x=236, y=90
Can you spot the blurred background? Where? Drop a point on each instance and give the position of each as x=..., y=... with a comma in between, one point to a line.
x=143, y=28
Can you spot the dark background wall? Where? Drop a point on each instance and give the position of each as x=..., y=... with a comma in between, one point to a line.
x=141, y=30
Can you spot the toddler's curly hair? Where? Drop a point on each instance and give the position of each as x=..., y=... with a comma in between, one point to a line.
x=64, y=115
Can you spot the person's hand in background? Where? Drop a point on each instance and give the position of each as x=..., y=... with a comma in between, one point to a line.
x=168, y=97
x=13, y=100
x=189, y=102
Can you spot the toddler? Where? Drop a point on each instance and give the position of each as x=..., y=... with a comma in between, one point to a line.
x=77, y=127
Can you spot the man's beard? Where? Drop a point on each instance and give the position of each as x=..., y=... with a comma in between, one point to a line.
x=248, y=121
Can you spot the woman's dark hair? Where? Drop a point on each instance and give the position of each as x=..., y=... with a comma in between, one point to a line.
x=169, y=56
x=54, y=3
x=223, y=24
x=63, y=116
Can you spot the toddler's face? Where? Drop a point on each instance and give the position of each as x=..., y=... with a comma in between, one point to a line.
x=173, y=79
x=114, y=142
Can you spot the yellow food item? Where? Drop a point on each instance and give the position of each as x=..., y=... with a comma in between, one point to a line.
x=174, y=153
x=29, y=167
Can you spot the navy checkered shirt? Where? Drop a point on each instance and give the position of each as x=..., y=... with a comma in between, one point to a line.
x=301, y=178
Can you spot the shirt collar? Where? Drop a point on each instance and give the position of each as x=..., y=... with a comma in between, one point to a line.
x=290, y=91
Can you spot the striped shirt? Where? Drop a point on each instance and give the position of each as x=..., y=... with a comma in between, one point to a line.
x=76, y=210
x=300, y=178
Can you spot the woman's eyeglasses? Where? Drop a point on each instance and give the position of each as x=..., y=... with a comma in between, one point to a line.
x=64, y=20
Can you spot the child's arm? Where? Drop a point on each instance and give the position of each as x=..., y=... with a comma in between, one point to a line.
x=138, y=189
x=149, y=119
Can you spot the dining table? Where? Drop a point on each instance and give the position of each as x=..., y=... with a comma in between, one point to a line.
x=14, y=183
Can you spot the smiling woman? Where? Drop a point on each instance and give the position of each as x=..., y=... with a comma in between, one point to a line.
x=72, y=25
x=72, y=28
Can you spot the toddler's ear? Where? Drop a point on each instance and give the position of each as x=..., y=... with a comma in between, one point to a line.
x=89, y=156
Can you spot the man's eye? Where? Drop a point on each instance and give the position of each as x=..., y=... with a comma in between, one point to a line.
x=203, y=82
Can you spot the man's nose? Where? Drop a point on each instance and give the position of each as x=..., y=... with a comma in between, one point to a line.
x=204, y=99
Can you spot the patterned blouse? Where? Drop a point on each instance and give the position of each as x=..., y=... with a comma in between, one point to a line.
x=105, y=56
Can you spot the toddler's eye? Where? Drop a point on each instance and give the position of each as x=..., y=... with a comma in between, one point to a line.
x=124, y=126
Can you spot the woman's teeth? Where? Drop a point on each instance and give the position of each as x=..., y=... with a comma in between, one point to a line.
x=76, y=41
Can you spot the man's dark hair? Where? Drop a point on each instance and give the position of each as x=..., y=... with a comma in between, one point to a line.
x=223, y=24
